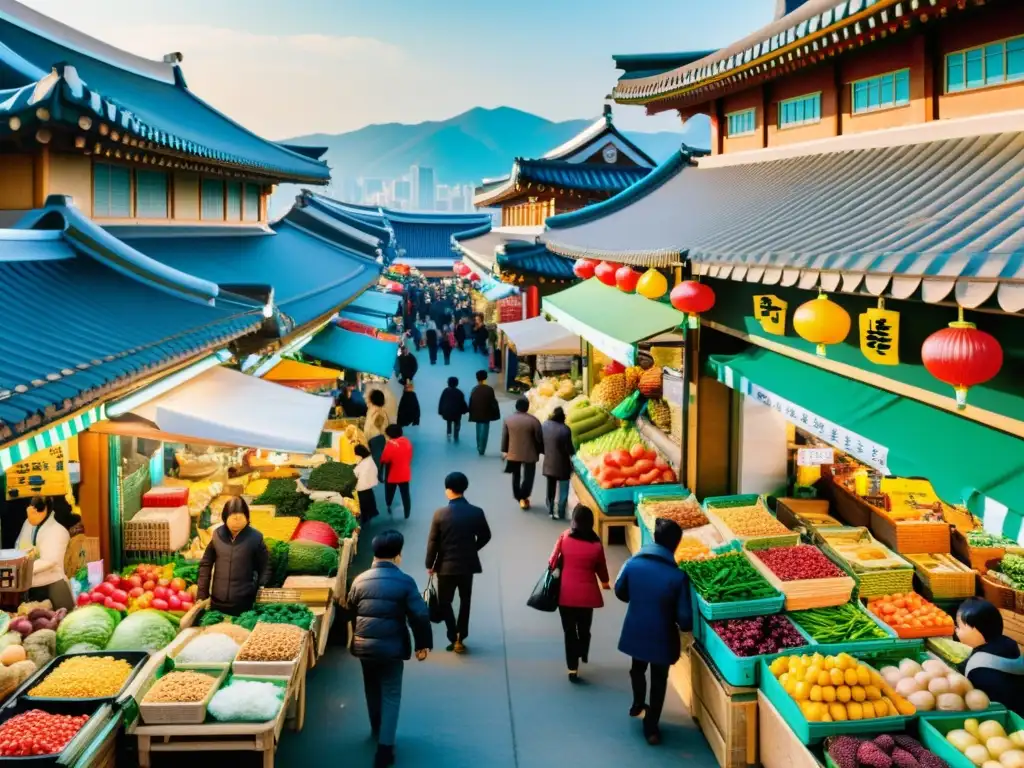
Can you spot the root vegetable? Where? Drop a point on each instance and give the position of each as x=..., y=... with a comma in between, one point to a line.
x=976, y=700
x=950, y=702
x=977, y=754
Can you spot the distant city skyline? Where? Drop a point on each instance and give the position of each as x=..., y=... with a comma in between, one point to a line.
x=416, y=191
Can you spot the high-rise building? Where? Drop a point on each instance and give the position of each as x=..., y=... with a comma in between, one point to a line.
x=372, y=187
x=403, y=192
x=423, y=188
x=467, y=195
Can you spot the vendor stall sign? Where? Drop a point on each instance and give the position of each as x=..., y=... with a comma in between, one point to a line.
x=855, y=445
x=815, y=457
x=770, y=312
x=44, y=473
x=880, y=336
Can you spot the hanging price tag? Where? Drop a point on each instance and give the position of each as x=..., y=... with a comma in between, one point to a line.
x=815, y=457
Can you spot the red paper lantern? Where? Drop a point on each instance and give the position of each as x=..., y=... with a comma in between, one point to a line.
x=584, y=269
x=626, y=279
x=692, y=297
x=605, y=272
x=962, y=356
x=461, y=269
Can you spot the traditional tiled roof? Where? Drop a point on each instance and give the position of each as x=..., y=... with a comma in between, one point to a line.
x=479, y=248
x=532, y=259
x=587, y=177
x=812, y=31
x=99, y=317
x=637, y=65
x=313, y=214
x=67, y=80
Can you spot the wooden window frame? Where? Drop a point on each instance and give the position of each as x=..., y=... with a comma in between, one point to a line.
x=131, y=188
x=170, y=194
x=882, y=107
x=753, y=129
x=223, y=198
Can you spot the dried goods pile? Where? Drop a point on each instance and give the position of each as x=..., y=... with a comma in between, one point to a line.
x=751, y=521
x=799, y=562
x=247, y=701
x=987, y=742
x=84, y=677
x=183, y=687
x=838, y=623
x=727, y=578
x=885, y=751
x=912, y=615
x=235, y=632
x=686, y=512
x=933, y=685
x=214, y=648
x=862, y=552
x=272, y=642
x=36, y=733
x=838, y=688
x=758, y=635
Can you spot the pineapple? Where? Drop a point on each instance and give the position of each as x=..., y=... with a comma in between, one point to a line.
x=633, y=375
x=610, y=391
x=661, y=414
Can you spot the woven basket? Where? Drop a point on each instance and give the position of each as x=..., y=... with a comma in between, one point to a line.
x=184, y=713
x=945, y=585
x=910, y=538
x=1002, y=595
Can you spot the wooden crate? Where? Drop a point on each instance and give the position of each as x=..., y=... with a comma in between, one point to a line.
x=779, y=747
x=680, y=674
x=602, y=523
x=633, y=542
x=847, y=506
x=727, y=714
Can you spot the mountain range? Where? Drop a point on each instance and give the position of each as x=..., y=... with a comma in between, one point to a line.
x=464, y=149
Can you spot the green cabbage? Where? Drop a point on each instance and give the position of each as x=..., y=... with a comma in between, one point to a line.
x=146, y=630
x=91, y=624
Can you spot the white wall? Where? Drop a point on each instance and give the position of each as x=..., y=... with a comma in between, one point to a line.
x=763, y=451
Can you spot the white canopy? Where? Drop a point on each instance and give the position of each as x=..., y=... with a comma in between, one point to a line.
x=224, y=407
x=537, y=336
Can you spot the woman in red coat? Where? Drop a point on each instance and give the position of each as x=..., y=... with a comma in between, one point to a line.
x=580, y=556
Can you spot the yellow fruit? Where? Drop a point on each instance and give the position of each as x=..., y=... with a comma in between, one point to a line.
x=811, y=676
x=876, y=679
x=830, y=662
x=867, y=710
x=863, y=675
x=871, y=693
x=836, y=676
x=857, y=693
x=845, y=661
x=828, y=694
x=838, y=712
x=826, y=718
x=891, y=710
x=854, y=711
x=824, y=678
x=813, y=711
x=904, y=707
x=815, y=693
x=843, y=693
x=790, y=686
x=850, y=676
x=801, y=691
x=779, y=666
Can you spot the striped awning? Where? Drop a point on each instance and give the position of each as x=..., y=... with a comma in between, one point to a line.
x=933, y=211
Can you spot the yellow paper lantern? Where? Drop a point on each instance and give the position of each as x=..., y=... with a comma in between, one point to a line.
x=652, y=284
x=822, y=322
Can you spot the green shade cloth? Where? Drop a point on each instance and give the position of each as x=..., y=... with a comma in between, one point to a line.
x=964, y=460
x=354, y=351
x=611, y=320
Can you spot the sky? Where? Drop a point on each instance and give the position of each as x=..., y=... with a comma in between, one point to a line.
x=290, y=68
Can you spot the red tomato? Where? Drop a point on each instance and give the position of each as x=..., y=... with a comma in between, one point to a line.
x=161, y=592
x=107, y=588
x=98, y=597
x=186, y=605
x=108, y=602
x=174, y=603
x=113, y=578
x=119, y=595
x=136, y=592
x=163, y=582
x=178, y=584
x=159, y=604
x=135, y=580
x=149, y=585
x=84, y=599
x=118, y=607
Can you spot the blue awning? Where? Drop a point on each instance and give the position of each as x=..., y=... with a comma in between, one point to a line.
x=375, y=303
x=354, y=351
x=380, y=322
x=500, y=291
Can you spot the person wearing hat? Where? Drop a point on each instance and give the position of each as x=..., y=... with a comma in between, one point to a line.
x=385, y=603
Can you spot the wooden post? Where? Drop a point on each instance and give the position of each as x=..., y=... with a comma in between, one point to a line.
x=94, y=491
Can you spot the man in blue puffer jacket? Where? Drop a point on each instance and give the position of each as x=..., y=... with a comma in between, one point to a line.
x=385, y=603
x=658, y=594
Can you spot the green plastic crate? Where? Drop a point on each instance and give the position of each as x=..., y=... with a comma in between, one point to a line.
x=863, y=646
x=934, y=728
x=743, y=670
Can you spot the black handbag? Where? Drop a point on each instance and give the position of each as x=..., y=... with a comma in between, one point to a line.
x=545, y=592
x=433, y=603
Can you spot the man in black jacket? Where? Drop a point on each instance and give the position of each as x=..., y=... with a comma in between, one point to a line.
x=457, y=534
x=407, y=365
x=385, y=602
x=483, y=409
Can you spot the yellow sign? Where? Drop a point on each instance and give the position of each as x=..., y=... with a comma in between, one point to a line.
x=770, y=312
x=44, y=473
x=911, y=499
x=880, y=336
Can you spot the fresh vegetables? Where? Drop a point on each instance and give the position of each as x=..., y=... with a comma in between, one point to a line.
x=276, y=491
x=838, y=624
x=278, y=551
x=982, y=539
x=142, y=587
x=622, y=439
x=987, y=741
x=314, y=530
x=311, y=558
x=837, y=688
x=637, y=466
x=271, y=613
x=180, y=687
x=686, y=512
x=84, y=677
x=40, y=647
x=38, y=733
x=950, y=650
x=338, y=517
x=884, y=751
x=750, y=521
x=272, y=642
x=293, y=505
x=271, y=526
x=92, y=625
x=800, y=562
x=727, y=578
x=758, y=635
x=691, y=549
x=333, y=476
x=246, y=701
x=909, y=613
x=1010, y=571
x=932, y=685
x=33, y=617
x=145, y=630
x=212, y=648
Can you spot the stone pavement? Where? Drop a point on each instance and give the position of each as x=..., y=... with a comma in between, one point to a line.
x=507, y=702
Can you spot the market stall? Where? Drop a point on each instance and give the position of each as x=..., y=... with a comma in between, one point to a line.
x=539, y=346
x=309, y=378
x=355, y=349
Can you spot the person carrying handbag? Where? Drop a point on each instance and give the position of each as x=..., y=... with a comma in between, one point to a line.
x=579, y=555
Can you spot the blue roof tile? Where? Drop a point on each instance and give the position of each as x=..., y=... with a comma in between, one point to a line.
x=587, y=177
x=531, y=259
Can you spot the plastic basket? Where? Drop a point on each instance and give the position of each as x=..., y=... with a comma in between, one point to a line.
x=737, y=609
x=933, y=730
x=1000, y=595
x=180, y=713
x=862, y=646
x=813, y=733
x=743, y=670
x=960, y=584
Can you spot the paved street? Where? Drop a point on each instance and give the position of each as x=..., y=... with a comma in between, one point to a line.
x=507, y=702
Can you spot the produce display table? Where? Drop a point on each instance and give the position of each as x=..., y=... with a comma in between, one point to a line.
x=680, y=674
x=603, y=523
x=726, y=714
x=780, y=748
x=219, y=737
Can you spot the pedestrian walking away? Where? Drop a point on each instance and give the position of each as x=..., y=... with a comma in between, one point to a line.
x=377, y=421
x=397, y=461
x=522, y=442
x=408, y=365
x=446, y=342
x=457, y=534
x=409, y=407
x=385, y=603
x=557, y=468
x=483, y=409
x=452, y=407
x=460, y=334
x=432, y=340
x=579, y=555
x=658, y=596
x=366, y=480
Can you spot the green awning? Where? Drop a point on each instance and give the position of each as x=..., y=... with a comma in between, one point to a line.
x=964, y=460
x=609, y=319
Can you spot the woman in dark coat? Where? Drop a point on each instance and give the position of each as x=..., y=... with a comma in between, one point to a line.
x=558, y=453
x=235, y=564
x=409, y=407
x=431, y=336
x=446, y=342
x=460, y=334
x=451, y=407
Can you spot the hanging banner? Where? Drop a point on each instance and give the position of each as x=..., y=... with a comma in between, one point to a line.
x=44, y=473
x=880, y=336
x=770, y=311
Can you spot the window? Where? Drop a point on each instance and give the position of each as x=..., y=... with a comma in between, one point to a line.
x=882, y=92
x=803, y=110
x=741, y=123
x=251, y=208
x=992, y=64
x=212, y=197
x=111, y=191
x=151, y=195
x=234, y=201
